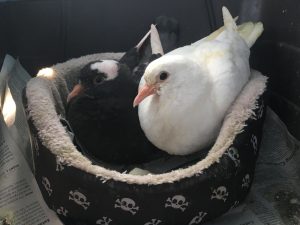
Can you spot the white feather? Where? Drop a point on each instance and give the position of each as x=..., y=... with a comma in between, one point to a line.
x=155, y=42
x=109, y=67
x=205, y=78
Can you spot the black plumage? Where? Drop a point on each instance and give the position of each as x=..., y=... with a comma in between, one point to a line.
x=101, y=113
x=105, y=122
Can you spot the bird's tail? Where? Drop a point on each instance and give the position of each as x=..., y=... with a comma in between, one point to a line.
x=249, y=31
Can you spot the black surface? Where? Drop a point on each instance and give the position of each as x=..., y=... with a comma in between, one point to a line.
x=33, y=32
x=45, y=32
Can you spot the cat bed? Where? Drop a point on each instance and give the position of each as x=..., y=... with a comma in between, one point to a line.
x=81, y=192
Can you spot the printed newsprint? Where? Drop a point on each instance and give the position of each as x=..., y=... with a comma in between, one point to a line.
x=21, y=202
x=274, y=198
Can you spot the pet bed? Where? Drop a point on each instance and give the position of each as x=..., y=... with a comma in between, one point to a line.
x=81, y=192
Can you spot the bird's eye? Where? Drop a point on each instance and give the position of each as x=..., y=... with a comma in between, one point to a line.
x=98, y=80
x=163, y=75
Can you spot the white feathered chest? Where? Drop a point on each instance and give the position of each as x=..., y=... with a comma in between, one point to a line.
x=186, y=111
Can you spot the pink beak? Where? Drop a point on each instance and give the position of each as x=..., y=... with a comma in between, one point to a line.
x=144, y=92
x=78, y=88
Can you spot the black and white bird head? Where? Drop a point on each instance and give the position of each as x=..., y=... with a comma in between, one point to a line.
x=96, y=77
x=95, y=73
x=99, y=74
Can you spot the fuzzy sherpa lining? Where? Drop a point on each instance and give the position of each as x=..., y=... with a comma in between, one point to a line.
x=46, y=98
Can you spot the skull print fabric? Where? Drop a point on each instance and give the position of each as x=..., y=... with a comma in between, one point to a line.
x=177, y=202
x=93, y=201
x=127, y=204
x=81, y=198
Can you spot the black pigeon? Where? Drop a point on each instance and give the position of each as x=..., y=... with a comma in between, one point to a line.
x=100, y=109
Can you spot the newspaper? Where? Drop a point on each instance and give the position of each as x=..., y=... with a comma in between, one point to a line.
x=13, y=79
x=274, y=198
x=21, y=202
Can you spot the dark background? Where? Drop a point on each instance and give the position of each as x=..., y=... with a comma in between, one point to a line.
x=44, y=32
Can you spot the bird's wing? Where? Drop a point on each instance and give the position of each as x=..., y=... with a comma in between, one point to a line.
x=180, y=51
x=228, y=41
x=156, y=45
x=249, y=31
x=225, y=60
x=229, y=25
x=216, y=33
x=222, y=50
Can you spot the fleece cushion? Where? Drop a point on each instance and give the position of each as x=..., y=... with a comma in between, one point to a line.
x=81, y=192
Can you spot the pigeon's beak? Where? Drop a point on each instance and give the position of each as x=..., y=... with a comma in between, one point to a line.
x=144, y=92
x=78, y=89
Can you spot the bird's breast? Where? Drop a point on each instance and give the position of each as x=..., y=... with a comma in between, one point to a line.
x=176, y=129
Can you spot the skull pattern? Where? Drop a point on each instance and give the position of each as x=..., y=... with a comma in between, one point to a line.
x=197, y=219
x=235, y=204
x=153, y=222
x=79, y=199
x=246, y=181
x=115, y=201
x=59, y=165
x=260, y=111
x=220, y=193
x=254, y=143
x=127, y=204
x=233, y=153
x=104, y=221
x=47, y=185
x=177, y=202
x=62, y=211
x=35, y=145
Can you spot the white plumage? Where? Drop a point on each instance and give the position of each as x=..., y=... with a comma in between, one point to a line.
x=184, y=95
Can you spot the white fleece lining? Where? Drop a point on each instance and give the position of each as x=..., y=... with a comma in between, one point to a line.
x=42, y=110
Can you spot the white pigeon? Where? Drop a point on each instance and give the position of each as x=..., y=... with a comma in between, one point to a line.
x=184, y=95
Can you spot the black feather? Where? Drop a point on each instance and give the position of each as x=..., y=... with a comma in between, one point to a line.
x=103, y=118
